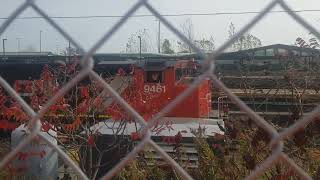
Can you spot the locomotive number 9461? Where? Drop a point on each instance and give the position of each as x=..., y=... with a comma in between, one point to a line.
x=154, y=88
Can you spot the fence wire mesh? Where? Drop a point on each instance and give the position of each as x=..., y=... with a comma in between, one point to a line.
x=87, y=70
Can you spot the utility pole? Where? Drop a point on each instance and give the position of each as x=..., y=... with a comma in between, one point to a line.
x=139, y=46
x=3, y=47
x=159, y=40
x=69, y=49
x=18, y=39
x=40, y=40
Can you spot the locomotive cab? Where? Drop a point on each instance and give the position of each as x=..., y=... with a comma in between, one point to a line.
x=162, y=81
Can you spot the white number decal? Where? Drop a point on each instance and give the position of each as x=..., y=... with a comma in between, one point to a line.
x=146, y=88
x=154, y=88
x=159, y=89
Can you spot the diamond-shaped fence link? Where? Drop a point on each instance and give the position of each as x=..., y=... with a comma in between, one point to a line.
x=87, y=64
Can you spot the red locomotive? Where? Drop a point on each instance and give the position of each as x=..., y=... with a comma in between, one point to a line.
x=156, y=83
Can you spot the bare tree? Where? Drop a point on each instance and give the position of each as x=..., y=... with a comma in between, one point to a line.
x=167, y=47
x=188, y=30
x=75, y=117
x=246, y=41
x=312, y=42
x=207, y=45
x=70, y=51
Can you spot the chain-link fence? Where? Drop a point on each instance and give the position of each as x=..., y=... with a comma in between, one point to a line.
x=87, y=70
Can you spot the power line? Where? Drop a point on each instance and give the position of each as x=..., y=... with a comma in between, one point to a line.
x=165, y=15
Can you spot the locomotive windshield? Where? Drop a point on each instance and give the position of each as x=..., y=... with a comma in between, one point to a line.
x=154, y=77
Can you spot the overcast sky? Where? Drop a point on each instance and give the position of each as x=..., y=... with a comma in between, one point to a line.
x=275, y=28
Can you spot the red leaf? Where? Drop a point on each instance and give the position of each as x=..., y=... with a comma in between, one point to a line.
x=91, y=140
x=84, y=92
x=121, y=72
x=17, y=86
x=134, y=136
x=22, y=156
x=74, y=125
x=46, y=127
x=42, y=154
x=97, y=102
x=83, y=107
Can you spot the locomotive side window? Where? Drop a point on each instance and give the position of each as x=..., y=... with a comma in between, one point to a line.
x=154, y=77
x=178, y=74
x=185, y=73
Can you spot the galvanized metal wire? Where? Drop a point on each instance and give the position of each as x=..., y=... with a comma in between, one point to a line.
x=87, y=70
